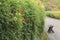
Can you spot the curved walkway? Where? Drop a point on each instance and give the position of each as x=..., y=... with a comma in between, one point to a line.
x=56, y=28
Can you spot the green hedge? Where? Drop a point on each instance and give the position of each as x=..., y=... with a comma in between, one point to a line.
x=9, y=20
x=21, y=19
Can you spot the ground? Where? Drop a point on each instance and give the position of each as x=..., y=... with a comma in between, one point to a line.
x=56, y=23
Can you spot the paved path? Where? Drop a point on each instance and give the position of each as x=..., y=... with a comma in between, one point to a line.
x=56, y=28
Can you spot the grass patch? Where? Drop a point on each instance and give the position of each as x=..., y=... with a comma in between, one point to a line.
x=45, y=36
x=53, y=14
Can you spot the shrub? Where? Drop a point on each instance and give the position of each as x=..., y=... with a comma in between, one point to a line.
x=9, y=20
x=21, y=20
x=33, y=14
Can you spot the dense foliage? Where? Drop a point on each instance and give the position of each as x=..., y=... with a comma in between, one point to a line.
x=21, y=19
x=9, y=20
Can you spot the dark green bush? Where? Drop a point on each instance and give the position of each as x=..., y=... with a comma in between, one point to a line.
x=21, y=19
x=33, y=13
x=9, y=20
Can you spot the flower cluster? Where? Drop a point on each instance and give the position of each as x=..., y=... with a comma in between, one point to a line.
x=39, y=3
x=23, y=19
x=21, y=11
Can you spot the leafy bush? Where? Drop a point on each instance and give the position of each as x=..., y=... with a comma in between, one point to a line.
x=9, y=20
x=21, y=20
x=33, y=15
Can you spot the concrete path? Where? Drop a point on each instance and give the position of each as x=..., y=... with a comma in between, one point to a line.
x=56, y=23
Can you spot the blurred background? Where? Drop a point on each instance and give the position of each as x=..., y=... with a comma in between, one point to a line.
x=52, y=5
x=52, y=8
